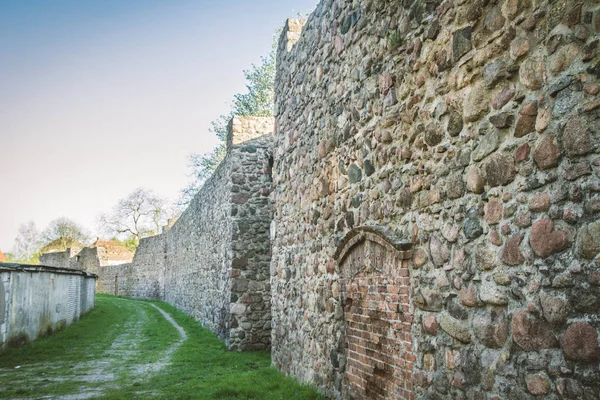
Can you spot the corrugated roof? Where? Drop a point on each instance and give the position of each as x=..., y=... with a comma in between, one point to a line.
x=42, y=268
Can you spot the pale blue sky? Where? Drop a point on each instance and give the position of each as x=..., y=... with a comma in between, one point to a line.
x=99, y=97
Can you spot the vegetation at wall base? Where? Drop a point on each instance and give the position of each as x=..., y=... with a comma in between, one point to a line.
x=111, y=351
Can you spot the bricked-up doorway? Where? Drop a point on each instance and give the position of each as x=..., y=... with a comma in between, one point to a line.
x=375, y=290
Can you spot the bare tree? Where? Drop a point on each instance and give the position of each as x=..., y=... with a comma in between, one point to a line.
x=27, y=243
x=138, y=215
x=65, y=232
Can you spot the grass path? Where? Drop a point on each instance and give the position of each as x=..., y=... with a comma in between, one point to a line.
x=128, y=349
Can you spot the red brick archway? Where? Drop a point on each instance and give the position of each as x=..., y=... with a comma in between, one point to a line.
x=375, y=288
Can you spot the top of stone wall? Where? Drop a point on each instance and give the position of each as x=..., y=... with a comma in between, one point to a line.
x=113, y=251
x=169, y=225
x=291, y=33
x=242, y=129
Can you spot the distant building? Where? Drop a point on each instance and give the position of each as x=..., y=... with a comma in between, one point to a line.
x=3, y=257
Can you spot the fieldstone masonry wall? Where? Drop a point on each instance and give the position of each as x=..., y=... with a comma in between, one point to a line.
x=115, y=280
x=471, y=129
x=199, y=255
x=62, y=259
x=143, y=278
x=149, y=268
x=218, y=252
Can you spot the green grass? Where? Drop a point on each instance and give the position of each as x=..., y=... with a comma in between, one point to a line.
x=201, y=368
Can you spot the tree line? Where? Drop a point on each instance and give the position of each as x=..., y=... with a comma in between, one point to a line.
x=140, y=214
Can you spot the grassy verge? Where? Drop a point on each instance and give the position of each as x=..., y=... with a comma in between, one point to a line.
x=118, y=337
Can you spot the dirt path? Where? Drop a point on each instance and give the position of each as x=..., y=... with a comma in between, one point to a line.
x=122, y=362
x=148, y=370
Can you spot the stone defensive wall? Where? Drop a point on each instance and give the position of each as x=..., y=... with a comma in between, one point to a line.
x=61, y=259
x=38, y=300
x=213, y=263
x=437, y=200
x=218, y=252
x=143, y=278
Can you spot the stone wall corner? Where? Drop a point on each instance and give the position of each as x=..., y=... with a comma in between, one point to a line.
x=244, y=128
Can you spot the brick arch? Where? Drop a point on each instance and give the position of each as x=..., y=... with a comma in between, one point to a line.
x=375, y=290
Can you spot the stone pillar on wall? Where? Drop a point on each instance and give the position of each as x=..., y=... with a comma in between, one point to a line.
x=170, y=223
x=291, y=33
x=242, y=129
x=249, y=150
